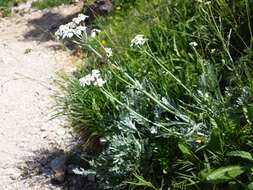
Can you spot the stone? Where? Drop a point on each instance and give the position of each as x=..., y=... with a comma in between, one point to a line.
x=99, y=8
x=104, y=6
x=58, y=166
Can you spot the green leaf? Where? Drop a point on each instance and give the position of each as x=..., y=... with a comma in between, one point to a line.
x=225, y=174
x=241, y=154
x=215, y=144
x=204, y=173
x=250, y=186
x=187, y=152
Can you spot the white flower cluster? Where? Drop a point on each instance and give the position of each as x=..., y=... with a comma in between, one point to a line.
x=193, y=44
x=80, y=18
x=92, y=79
x=74, y=28
x=138, y=40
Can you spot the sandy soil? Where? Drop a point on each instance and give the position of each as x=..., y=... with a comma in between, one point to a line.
x=29, y=61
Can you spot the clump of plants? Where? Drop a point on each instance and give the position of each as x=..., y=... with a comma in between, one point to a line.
x=167, y=90
x=5, y=6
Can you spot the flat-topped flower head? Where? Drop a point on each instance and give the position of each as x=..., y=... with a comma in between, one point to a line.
x=92, y=79
x=95, y=73
x=71, y=25
x=80, y=18
x=138, y=40
x=99, y=82
x=73, y=28
x=64, y=31
x=193, y=44
x=80, y=30
x=83, y=16
x=85, y=81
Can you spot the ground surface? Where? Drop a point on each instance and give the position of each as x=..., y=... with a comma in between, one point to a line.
x=29, y=61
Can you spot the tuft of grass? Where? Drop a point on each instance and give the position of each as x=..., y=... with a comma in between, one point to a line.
x=43, y=4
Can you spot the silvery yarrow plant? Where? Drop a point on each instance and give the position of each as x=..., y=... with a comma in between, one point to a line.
x=76, y=29
x=120, y=158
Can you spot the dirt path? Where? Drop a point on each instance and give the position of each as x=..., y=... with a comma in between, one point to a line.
x=29, y=61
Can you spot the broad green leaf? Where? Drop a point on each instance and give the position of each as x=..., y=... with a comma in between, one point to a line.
x=225, y=174
x=250, y=186
x=241, y=154
x=204, y=173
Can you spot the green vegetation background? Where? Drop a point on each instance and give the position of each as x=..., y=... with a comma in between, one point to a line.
x=171, y=115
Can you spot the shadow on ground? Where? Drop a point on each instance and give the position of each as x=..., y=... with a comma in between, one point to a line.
x=39, y=167
x=45, y=26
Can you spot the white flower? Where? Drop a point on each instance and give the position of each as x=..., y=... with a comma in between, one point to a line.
x=72, y=29
x=138, y=40
x=153, y=130
x=78, y=171
x=108, y=52
x=92, y=79
x=99, y=82
x=193, y=44
x=71, y=25
x=58, y=34
x=76, y=20
x=94, y=32
x=83, y=82
x=80, y=30
x=70, y=34
x=83, y=16
x=80, y=18
x=95, y=73
x=64, y=31
x=63, y=27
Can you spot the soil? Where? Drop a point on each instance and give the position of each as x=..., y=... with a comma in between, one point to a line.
x=29, y=62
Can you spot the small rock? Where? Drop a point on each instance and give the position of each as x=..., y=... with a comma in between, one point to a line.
x=58, y=166
x=99, y=8
x=104, y=6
